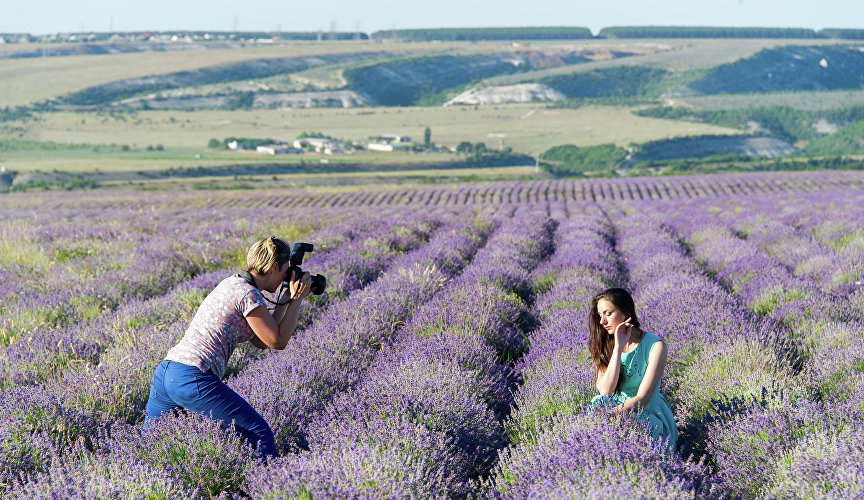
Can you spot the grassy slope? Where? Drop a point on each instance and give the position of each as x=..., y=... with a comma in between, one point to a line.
x=24, y=81
x=676, y=55
x=812, y=101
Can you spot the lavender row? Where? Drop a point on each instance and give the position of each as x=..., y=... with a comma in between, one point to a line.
x=119, y=383
x=556, y=370
x=116, y=388
x=73, y=272
x=763, y=184
x=579, y=454
x=561, y=450
x=749, y=435
x=425, y=418
x=45, y=353
x=65, y=269
x=335, y=351
x=820, y=239
x=801, y=444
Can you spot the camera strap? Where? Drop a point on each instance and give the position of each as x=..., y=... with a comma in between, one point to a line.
x=247, y=277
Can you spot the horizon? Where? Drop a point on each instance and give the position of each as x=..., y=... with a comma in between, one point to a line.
x=45, y=17
x=594, y=32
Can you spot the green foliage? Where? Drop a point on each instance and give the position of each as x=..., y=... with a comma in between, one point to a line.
x=843, y=33
x=849, y=141
x=14, y=114
x=618, y=82
x=544, y=283
x=214, y=144
x=76, y=183
x=12, y=144
x=242, y=100
x=317, y=135
x=705, y=32
x=247, y=142
x=570, y=160
x=783, y=122
x=709, y=164
x=465, y=147
x=768, y=302
x=477, y=34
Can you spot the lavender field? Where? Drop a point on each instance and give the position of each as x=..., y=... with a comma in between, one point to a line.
x=449, y=357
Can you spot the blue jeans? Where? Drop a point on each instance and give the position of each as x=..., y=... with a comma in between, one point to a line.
x=176, y=385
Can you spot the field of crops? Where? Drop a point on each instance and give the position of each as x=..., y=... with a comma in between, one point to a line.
x=449, y=356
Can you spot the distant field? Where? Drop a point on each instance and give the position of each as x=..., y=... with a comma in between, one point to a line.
x=812, y=101
x=337, y=181
x=527, y=128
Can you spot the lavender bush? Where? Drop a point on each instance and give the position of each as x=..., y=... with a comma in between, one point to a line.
x=449, y=356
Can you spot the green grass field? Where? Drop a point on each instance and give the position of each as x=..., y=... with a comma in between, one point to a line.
x=527, y=128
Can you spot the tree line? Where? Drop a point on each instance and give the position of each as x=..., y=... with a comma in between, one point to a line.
x=479, y=34
x=783, y=122
x=579, y=33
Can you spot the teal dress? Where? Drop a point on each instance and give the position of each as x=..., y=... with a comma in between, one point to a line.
x=657, y=413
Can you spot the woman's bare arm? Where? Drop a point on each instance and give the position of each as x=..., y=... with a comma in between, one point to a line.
x=275, y=331
x=255, y=341
x=653, y=373
x=607, y=380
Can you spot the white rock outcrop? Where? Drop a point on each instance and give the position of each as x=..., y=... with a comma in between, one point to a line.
x=522, y=92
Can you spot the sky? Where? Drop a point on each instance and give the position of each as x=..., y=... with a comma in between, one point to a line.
x=61, y=16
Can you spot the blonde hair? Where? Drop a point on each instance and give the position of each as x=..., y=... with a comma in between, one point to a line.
x=266, y=252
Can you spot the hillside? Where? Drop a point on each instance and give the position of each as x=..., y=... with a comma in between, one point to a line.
x=705, y=146
x=369, y=78
x=791, y=68
x=105, y=109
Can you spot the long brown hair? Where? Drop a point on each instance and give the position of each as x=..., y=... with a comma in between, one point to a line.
x=600, y=343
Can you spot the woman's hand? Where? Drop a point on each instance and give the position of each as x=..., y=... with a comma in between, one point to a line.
x=300, y=288
x=622, y=333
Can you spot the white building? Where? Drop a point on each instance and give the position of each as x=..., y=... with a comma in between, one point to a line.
x=392, y=139
x=321, y=145
x=278, y=149
x=377, y=146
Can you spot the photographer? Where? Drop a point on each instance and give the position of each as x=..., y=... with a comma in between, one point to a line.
x=235, y=311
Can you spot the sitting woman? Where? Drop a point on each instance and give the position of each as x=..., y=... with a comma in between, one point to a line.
x=629, y=363
x=235, y=311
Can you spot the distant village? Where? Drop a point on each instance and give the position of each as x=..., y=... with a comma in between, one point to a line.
x=327, y=146
x=175, y=37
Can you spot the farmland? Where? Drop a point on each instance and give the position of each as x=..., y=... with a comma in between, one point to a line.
x=449, y=355
x=524, y=127
x=111, y=113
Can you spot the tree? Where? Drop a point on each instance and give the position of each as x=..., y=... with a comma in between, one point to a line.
x=214, y=144
x=427, y=138
x=465, y=147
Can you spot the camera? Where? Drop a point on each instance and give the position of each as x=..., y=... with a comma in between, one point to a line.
x=319, y=282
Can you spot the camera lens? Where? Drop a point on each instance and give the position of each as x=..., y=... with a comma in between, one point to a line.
x=319, y=284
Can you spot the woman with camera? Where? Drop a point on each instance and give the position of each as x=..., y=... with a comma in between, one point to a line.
x=235, y=311
x=628, y=363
